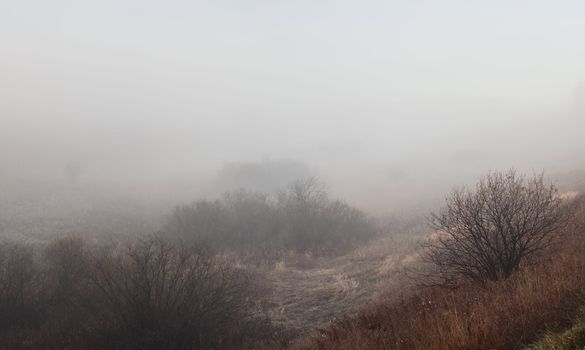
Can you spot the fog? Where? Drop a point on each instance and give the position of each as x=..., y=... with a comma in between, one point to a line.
x=388, y=102
x=271, y=174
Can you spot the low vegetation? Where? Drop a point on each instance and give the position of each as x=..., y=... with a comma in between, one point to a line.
x=573, y=338
x=504, y=314
x=301, y=218
x=147, y=295
x=503, y=269
x=486, y=234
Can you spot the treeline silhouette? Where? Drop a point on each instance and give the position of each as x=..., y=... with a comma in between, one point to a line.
x=300, y=217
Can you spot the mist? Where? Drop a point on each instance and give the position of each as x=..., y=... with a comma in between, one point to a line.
x=270, y=174
x=385, y=101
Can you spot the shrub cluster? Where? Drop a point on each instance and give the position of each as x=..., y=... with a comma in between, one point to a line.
x=301, y=218
x=146, y=295
x=504, y=314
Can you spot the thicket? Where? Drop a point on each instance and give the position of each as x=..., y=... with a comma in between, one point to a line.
x=150, y=294
x=300, y=217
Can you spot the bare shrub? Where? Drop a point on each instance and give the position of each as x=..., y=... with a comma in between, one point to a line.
x=147, y=295
x=155, y=295
x=505, y=314
x=486, y=234
x=67, y=265
x=18, y=285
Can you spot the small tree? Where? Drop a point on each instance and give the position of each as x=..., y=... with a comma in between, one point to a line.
x=485, y=235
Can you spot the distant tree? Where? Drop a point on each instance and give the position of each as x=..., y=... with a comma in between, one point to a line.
x=311, y=221
x=301, y=217
x=73, y=171
x=302, y=206
x=486, y=234
x=265, y=176
x=203, y=221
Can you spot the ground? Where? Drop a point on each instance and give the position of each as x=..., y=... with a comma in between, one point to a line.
x=302, y=298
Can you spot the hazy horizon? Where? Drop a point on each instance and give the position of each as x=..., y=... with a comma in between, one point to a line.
x=383, y=100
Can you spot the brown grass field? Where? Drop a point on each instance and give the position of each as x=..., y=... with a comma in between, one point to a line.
x=510, y=314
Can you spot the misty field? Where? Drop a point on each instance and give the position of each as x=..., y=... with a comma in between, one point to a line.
x=290, y=287
x=88, y=269
x=298, y=290
x=292, y=175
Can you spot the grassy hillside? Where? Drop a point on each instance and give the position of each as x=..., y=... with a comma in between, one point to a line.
x=357, y=299
x=510, y=314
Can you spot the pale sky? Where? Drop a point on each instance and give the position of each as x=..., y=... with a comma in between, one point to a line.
x=163, y=88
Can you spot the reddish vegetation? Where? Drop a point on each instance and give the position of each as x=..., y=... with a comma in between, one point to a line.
x=153, y=294
x=502, y=315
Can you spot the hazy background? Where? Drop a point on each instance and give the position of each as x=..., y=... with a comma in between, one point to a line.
x=386, y=101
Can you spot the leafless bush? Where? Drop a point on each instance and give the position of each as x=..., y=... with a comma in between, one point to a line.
x=147, y=295
x=504, y=314
x=18, y=285
x=155, y=295
x=67, y=265
x=486, y=234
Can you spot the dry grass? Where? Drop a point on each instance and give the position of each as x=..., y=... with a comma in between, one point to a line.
x=503, y=315
x=304, y=292
x=573, y=338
